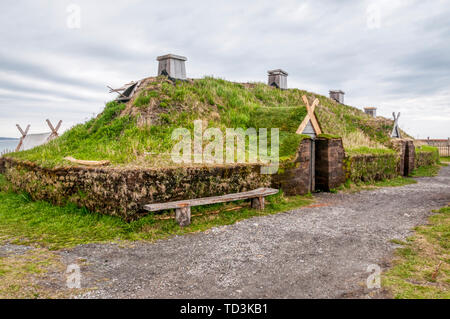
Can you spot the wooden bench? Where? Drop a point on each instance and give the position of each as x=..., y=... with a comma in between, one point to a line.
x=183, y=207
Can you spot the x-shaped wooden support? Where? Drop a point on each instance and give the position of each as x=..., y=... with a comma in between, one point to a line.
x=21, y=131
x=24, y=133
x=54, y=130
x=396, y=126
x=120, y=91
x=310, y=117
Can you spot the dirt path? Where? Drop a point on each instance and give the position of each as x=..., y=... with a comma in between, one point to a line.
x=320, y=252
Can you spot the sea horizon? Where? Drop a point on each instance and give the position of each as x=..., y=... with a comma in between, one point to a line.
x=8, y=143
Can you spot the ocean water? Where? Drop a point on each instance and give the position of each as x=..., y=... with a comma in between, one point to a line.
x=8, y=145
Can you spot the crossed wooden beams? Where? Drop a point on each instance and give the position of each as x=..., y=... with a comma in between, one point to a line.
x=120, y=90
x=396, y=129
x=54, y=129
x=24, y=133
x=310, y=117
x=54, y=132
x=125, y=92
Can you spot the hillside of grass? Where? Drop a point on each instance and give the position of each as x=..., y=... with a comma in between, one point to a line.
x=139, y=132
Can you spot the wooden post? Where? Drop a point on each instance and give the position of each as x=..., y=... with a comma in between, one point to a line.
x=258, y=203
x=183, y=215
x=310, y=116
x=53, y=129
x=24, y=134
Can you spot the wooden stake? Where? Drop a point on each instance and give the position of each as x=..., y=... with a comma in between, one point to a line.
x=86, y=163
x=54, y=130
x=310, y=116
x=183, y=215
x=23, y=135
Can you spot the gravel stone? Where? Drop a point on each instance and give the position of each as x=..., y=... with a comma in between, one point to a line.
x=316, y=252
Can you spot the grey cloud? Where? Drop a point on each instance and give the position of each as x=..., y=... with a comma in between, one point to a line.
x=322, y=44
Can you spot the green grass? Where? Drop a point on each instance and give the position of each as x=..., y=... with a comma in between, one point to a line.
x=123, y=133
x=422, y=267
x=25, y=222
x=426, y=171
x=429, y=149
x=328, y=136
x=426, y=148
x=350, y=186
x=364, y=150
x=445, y=159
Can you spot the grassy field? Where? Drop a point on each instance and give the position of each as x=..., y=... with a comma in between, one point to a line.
x=445, y=159
x=426, y=171
x=126, y=133
x=422, y=266
x=351, y=187
x=21, y=275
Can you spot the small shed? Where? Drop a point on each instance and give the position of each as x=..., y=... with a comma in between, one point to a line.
x=337, y=95
x=277, y=78
x=372, y=111
x=172, y=66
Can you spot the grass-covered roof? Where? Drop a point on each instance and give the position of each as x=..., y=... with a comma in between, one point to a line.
x=139, y=132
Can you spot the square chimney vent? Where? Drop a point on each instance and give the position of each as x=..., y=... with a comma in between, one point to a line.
x=337, y=95
x=372, y=111
x=278, y=78
x=172, y=66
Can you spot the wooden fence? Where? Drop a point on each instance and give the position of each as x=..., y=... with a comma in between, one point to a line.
x=443, y=145
x=3, y=152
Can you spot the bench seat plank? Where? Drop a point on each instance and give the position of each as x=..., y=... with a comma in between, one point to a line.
x=260, y=192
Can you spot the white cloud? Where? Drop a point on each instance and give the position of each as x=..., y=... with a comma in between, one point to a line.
x=47, y=69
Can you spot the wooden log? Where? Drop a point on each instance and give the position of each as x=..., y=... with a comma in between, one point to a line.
x=183, y=215
x=214, y=212
x=87, y=163
x=258, y=203
x=310, y=116
x=260, y=192
x=24, y=134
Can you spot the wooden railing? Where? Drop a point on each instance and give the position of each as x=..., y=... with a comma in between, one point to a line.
x=443, y=145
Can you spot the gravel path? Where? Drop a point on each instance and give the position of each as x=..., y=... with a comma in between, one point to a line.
x=320, y=252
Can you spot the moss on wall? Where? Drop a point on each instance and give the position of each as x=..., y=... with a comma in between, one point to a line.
x=368, y=168
x=426, y=155
x=123, y=192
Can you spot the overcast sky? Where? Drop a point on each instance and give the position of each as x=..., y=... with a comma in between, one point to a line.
x=394, y=55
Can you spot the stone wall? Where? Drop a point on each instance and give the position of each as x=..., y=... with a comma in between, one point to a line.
x=410, y=158
x=399, y=146
x=123, y=192
x=295, y=177
x=406, y=150
x=425, y=158
x=369, y=168
x=329, y=163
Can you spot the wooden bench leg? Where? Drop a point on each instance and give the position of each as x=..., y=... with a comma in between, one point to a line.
x=258, y=203
x=183, y=216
